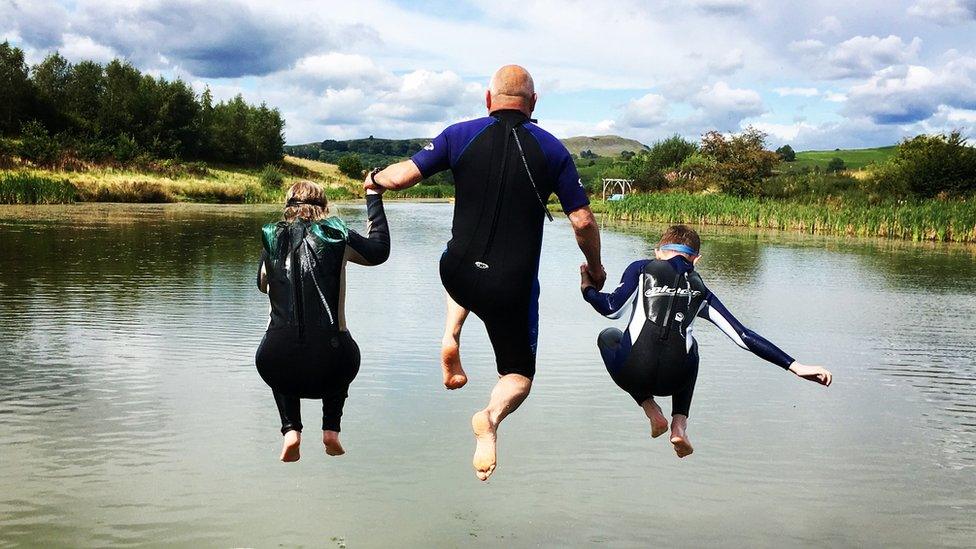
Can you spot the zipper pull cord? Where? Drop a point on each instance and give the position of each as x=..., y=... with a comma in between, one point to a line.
x=529, y=172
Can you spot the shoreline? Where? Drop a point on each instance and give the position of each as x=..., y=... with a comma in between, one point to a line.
x=135, y=211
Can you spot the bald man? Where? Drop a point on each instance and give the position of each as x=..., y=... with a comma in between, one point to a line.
x=505, y=168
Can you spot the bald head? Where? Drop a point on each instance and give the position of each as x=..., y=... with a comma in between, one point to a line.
x=511, y=87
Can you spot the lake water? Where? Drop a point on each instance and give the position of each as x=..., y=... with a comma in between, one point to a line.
x=131, y=412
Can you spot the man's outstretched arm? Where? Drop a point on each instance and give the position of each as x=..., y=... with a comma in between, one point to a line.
x=395, y=177
x=588, y=238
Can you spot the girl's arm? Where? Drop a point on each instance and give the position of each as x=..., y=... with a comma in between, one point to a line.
x=715, y=312
x=613, y=304
x=374, y=248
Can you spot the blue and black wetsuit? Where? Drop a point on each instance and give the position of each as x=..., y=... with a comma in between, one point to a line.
x=307, y=352
x=491, y=264
x=657, y=355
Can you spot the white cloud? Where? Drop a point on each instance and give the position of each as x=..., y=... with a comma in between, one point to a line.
x=82, y=48
x=806, y=47
x=340, y=70
x=800, y=92
x=862, y=55
x=828, y=25
x=727, y=105
x=647, y=112
x=728, y=62
x=944, y=12
x=784, y=132
x=902, y=95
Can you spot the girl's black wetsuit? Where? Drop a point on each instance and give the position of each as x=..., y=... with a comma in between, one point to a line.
x=658, y=355
x=307, y=351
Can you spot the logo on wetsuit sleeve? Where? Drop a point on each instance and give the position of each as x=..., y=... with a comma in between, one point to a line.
x=658, y=291
x=429, y=146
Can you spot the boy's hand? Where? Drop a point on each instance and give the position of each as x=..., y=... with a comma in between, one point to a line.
x=812, y=373
x=598, y=276
x=586, y=281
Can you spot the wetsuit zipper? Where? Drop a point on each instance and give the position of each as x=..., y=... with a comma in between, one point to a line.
x=498, y=203
x=296, y=281
x=665, y=332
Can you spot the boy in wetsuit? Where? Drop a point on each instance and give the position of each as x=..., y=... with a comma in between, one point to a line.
x=657, y=355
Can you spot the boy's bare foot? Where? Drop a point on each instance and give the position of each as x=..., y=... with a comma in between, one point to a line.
x=332, y=445
x=454, y=376
x=484, y=452
x=679, y=437
x=659, y=423
x=289, y=450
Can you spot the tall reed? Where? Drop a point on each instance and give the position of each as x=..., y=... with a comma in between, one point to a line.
x=26, y=188
x=939, y=220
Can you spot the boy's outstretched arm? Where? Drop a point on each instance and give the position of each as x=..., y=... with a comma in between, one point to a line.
x=613, y=304
x=715, y=312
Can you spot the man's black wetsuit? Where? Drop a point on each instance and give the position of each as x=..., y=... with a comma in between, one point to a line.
x=491, y=264
x=307, y=351
x=657, y=355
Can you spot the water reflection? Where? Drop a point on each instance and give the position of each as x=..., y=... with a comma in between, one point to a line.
x=130, y=412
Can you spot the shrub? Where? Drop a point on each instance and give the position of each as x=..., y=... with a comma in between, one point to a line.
x=7, y=151
x=786, y=153
x=37, y=145
x=813, y=186
x=125, y=149
x=351, y=166
x=928, y=165
x=741, y=161
x=835, y=165
x=271, y=177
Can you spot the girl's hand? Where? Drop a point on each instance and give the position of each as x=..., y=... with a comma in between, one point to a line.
x=812, y=373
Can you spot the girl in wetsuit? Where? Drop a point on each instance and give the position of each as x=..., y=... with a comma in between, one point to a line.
x=307, y=351
x=657, y=355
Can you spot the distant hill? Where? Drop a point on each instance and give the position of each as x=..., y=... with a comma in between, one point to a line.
x=603, y=145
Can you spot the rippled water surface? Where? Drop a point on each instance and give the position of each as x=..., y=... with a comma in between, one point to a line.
x=131, y=413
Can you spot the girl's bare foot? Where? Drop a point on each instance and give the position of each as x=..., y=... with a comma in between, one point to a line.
x=332, y=445
x=289, y=450
x=659, y=423
x=679, y=437
x=454, y=376
x=484, y=452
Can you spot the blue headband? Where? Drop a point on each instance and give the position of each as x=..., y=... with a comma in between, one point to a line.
x=680, y=248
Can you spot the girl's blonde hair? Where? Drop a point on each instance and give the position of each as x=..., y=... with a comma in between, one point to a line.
x=306, y=200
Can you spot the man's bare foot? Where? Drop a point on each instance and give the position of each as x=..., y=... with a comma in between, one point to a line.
x=659, y=423
x=484, y=452
x=679, y=438
x=454, y=376
x=332, y=445
x=289, y=450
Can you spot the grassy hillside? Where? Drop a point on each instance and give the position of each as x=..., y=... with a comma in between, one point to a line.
x=603, y=145
x=222, y=184
x=853, y=158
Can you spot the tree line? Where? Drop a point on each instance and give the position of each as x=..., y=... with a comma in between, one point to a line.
x=94, y=112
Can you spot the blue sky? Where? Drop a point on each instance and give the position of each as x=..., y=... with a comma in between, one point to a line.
x=816, y=75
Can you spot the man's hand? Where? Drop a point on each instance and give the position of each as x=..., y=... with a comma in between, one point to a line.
x=812, y=373
x=369, y=185
x=586, y=281
x=597, y=275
